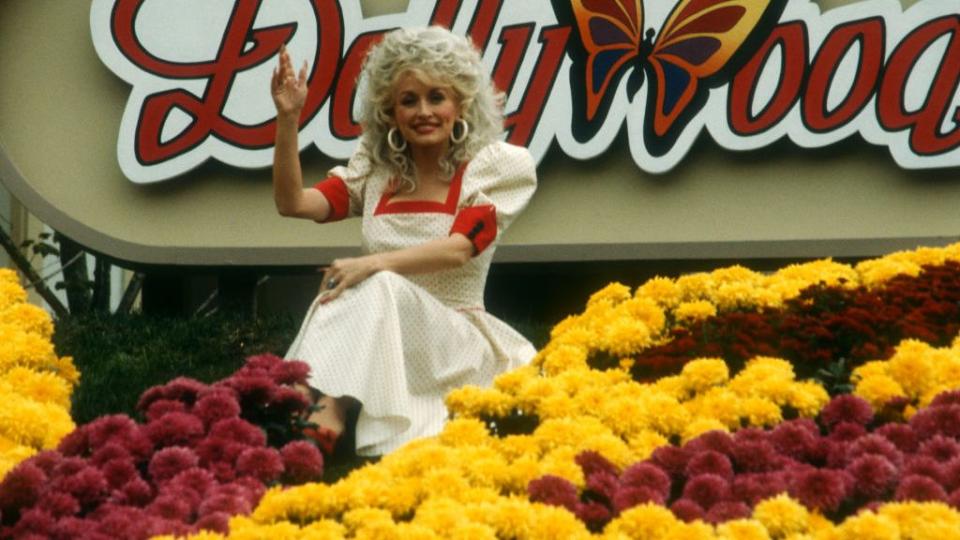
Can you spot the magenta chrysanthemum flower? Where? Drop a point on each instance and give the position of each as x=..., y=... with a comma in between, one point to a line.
x=58, y=504
x=846, y=408
x=873, y=476
x=75, y=443
x=47, y=460
x=750, y=434
x=707, y=490
x=727, y=511
x=940, y=448
x=161, y=407
x=901, y=435
x=647, y=475
x=554, y=490
x=68, y=466
x=124, y=522
x=671, y=459
x=922, y=466
x=951, y=474
x=942, y=420
x=756, y=456
x=264, y=464
x=214, y=521
x=302, y=462
x=592, y=463
x=239, y=430
x=112, y=428
x=752, y=488
x=687, y=510
x=170, y=506
x=175, y=429
x=710, y=462
x=227, y=503
x=171, y=461
x=219, y=450
x=261, y=363
x=183, y=389
x=844, y=432
x=196, y=479
x=602, y=484
x=119, y=471
x=630, y=496
x=290, y=372
x=819, y=489
x=794, y=440
x=216, y=406
x=71, y=527
x=874, y=444
x=716, y=441
x=21, y=487
x=250, y=488
x=920, y=488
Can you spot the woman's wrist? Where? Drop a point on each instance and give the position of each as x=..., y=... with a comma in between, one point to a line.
x=286, y=118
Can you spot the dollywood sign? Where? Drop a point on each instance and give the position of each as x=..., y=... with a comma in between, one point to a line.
x=748, y=72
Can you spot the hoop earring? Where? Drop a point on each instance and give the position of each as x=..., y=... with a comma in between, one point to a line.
x=464, y=131
x=396, y=146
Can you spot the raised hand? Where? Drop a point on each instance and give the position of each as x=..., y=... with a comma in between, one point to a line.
x=289, y=89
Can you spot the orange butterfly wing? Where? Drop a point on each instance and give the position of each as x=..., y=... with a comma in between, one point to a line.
x=611, y=32
x=697, y=41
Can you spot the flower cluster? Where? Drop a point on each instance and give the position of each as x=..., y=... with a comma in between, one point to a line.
x=35, y=384
x=836, y=467
x=196, y=461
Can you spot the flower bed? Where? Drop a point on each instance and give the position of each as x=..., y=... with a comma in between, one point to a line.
x=696, y=407
x=35, y=384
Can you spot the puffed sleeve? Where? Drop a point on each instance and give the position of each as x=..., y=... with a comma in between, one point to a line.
x=497, y=185
x=344, y=187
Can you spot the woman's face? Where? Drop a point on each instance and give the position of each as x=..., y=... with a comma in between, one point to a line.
x=424, y=111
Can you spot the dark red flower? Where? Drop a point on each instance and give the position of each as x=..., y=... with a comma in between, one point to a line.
x=109, y=452
x=874, y=444
x=70, y=528
x=594, y=514
x=707, y=490
x=261, y=363
x=846, y=432
x=58, y=504
x=671, y=459
x=112, y=428
x=951, y=474
x=942, y=420
x=34, y=523
x=252, y=389
x=88, y=485
x=124, y=522
x=170, y=506
x=756, y=456
x=592, y=462
x=215, y=406
x=290, y=372
x=950, y=397
x=302, y=462
x=225, y=503
x=214, y=521
x=161, y=407
x=923, y=466
x=245, y=486
x=727, y=511
x=201, y=481
x=687, y=510
x=819, y=489
x=137, y=492
x=716, y=441
x=901, y=435
x=630, y=496
x=285, y=400
x=920, y=488
x=940, y=448
x=21, y=487
x=219, y=450
x=794, y=440
x=175, y=429
x=183, y=389
x=47, y=460
x=710, y=462
x=264, y=464
x=119, y=471
x=238, y=430
x=752, y=488
x=873, y=476
x=170, y=461
x=647, y=475
x=554, y=490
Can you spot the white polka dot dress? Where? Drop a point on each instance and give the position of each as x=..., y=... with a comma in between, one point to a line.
x=397, y=343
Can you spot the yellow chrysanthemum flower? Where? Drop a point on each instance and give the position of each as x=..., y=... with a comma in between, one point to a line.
x=867, y=526
x=664, y=291
x=879, y=390
x=742, y=529
x=691, y=312
x=642, y=521
x=782, y=515
x=704, y=373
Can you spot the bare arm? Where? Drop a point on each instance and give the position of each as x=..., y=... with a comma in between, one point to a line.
x=440, y=254
x=289, y=91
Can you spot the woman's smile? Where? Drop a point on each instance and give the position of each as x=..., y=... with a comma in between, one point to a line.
x=424, y=112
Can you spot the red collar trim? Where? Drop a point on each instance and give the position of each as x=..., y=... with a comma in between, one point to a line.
x=422, y=207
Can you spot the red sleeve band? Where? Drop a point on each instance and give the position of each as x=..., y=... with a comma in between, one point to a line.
x=335, y=190
x=478, y=224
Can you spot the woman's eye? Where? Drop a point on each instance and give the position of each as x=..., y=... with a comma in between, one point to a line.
x=437, y=97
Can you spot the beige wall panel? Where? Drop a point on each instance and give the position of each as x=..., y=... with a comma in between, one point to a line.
x=60, y=110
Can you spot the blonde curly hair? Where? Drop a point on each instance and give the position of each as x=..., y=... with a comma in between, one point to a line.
x=441, y=56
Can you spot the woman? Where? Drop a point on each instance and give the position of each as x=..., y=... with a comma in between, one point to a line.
x=400, y=326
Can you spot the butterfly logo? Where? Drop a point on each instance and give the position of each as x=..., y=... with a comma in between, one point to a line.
x=696, y=49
